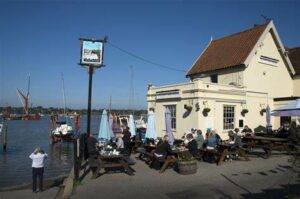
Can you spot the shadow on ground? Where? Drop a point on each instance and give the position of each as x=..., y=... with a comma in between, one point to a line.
x=292, y=191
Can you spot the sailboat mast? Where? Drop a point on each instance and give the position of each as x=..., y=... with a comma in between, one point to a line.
x=109, y=104
x=27, y=97
x=64, y=96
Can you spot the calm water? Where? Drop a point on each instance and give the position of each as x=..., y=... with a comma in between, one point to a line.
x=23, y=137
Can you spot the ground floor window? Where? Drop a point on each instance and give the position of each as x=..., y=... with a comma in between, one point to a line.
x=172, y=109
x=228, y=117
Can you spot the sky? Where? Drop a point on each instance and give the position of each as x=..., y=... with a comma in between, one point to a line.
x=41, y=38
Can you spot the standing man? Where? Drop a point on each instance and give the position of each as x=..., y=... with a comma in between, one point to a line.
x=93, y=158
x=126, y=139
x=38, y=158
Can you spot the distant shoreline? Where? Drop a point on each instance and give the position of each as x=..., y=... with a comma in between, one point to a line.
x=50, y=110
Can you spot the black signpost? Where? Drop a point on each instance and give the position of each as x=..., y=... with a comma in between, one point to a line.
x=91, y=57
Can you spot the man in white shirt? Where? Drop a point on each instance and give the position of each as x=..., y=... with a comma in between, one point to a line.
x=38, y=157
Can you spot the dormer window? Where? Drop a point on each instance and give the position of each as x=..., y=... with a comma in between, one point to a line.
x=214, y=78
x=268, y=60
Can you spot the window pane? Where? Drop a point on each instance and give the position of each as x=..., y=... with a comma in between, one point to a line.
x=228, y=117
x=172, y=109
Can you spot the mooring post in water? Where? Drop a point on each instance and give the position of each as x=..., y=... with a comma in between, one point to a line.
x=76, y=159
x=4, y=137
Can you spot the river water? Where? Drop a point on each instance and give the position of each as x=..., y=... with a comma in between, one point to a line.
x=23, y=137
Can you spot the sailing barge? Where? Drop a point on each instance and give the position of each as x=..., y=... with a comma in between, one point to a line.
x=25, y=102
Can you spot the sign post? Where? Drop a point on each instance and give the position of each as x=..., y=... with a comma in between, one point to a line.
x=91, y=57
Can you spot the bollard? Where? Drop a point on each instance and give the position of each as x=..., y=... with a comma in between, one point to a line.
x=76, y=160
x=4, y=137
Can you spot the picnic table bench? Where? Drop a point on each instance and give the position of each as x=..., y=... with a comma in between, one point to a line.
x=115, y=161
x=144, y=154
x=268, y=144
x=147, y=155
x=225, y=149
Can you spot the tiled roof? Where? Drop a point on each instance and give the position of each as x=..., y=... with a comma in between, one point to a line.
x=294, y=55
x=228, y=51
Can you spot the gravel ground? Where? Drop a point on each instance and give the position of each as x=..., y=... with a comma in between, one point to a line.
x=258, y=178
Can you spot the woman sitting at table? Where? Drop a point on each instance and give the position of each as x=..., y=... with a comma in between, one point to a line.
x=161, y=152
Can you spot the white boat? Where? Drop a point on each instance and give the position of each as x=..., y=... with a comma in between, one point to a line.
x=62, y=129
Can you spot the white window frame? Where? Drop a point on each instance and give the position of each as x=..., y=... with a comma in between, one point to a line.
x=172, y=108
x=228, y=116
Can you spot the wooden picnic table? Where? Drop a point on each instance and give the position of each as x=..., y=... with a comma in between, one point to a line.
x=177, y=151
x=114, y=161
x=149, y=147
x=267, y=143
x=225, y=149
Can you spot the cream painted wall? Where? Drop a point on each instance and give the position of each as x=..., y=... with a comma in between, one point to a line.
x=275, y=80
x=228, y=76
x=262, y=83
x=297, y=85
x=210, y=95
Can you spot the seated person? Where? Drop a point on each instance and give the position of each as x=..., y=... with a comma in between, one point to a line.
x=238, y=132
x=192, y=145
x=199, y=139
x=162, y=151
x=185, y=141
x=234, y=140
x=283, y=130
x=194, y=132
x=218, y=138
x=211, y=141
x=247, y=130
x=120, y=142
x=149, y=141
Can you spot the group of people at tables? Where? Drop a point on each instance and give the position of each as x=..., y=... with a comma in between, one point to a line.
x=120, y=143
x=194, y=142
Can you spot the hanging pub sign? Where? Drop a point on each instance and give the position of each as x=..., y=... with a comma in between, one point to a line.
x=91, y=52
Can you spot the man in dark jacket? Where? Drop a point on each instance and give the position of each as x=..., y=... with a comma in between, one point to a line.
x=163, y=148
x=126, y=139
x=94, y=159
x=192, y=145
x=162, y=151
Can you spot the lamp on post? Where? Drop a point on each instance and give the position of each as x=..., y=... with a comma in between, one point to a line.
x=91, y=57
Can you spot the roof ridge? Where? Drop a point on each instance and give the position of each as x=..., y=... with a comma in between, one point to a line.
x=247, y=30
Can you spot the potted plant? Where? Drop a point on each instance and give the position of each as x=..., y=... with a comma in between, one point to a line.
x=186, y=163
x=244, y=111
x=262, y=111
x=197, y=105
x=188, y=107
x=206, y=109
